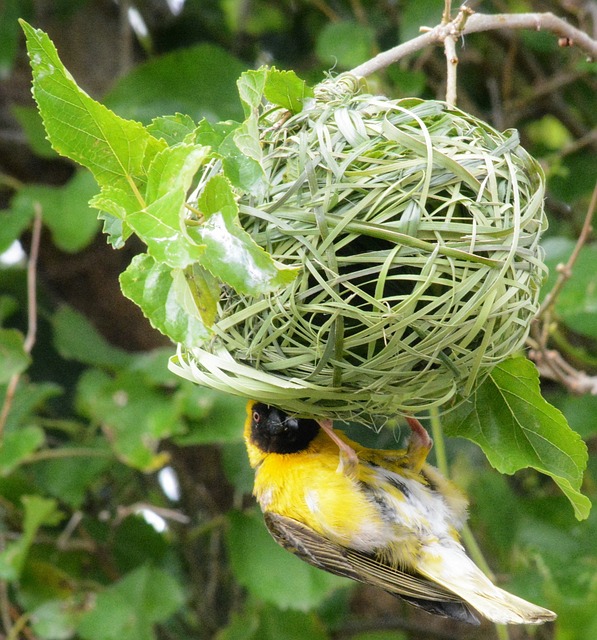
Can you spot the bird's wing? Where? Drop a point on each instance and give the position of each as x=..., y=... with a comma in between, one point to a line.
x=324, y=554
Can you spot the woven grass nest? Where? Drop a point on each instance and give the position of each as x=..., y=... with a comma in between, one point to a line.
x=416, y=227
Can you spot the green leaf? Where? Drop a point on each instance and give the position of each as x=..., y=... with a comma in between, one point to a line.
x=56, y=619
x=243, y=171
x=216, y=417
x=231, y=254
x=17, y=446
x=160, y=224
x=13, y=358
x=345, y=44
x=576, y=306
x=65, y=210
x=75, y=338
x=38, y=511
x=236, y=467
x=259, y=621
x=114, y=204
x=286, y=89
x=70, y=478
x=269, y=572
x=173, y=129
x=10, y=10
x=133, y=416
x=131, y=607
x=251, y=87
x=13, y=223
x=117, y=151
x=516, y=428
x=28, y=401
x=421, y=13
x=197, y=80
x=162, y=294
x=201, y=293
x=137, y=542
x=33, y=127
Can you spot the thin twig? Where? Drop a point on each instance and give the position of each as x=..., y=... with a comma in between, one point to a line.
x=476, y=23
x=5, y=603
x=452, y=65
x=31, y=315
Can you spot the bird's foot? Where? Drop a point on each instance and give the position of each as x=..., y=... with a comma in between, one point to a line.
x=419, y=445
x=348, y=457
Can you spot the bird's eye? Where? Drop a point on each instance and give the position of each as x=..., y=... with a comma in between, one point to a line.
x=256, y=417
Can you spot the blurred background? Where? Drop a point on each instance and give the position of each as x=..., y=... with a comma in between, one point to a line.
x=125, y=507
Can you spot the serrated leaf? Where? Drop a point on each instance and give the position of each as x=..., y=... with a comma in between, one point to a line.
x=517, y=428
x=213, y=134
x=17, y=446
x=286, y=89
x=114, y=204
x=160, y=224
x=134, y=416
x=173, y=129
x=153, y=287
x=38, y=511
x=117, y=151
x=75, y=338
x=230, y=252
x=13, y=358
x=269, y=572
x=251, y=86
x=130, y=608
x=243, y=171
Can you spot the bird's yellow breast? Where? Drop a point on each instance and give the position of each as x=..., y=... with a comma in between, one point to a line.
x=306, y=486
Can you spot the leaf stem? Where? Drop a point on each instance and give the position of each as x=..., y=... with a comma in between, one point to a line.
x=65, y=452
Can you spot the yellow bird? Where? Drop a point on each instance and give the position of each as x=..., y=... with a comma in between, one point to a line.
x=382, y=517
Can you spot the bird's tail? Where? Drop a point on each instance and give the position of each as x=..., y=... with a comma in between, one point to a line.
x=455, y=571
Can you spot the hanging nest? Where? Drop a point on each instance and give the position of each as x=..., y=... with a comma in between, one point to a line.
x=416, y=227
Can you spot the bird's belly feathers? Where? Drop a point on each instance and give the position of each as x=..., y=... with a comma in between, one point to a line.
x=379, y=510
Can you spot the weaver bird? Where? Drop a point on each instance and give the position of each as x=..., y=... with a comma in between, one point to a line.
x=382, y=517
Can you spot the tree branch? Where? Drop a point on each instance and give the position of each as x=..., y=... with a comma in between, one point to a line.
x=467, y=22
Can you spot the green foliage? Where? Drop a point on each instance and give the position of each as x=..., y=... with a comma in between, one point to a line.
x=250, y=548
x=345, y=44
x=89, y=423
x=65, y=211
x=516, y=427
x=182, y=81
x=13, y=358
x=130, y=607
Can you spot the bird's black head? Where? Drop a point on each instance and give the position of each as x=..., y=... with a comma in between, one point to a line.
x=274, y=431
